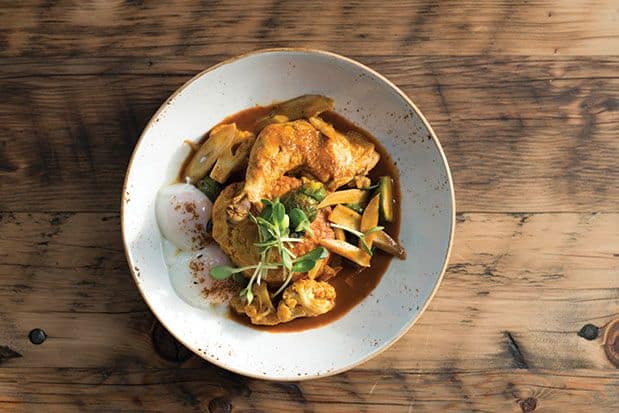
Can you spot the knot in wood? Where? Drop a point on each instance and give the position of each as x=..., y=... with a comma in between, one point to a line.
x=37, y=336
x=527, y=405
x=220, y=405
x=589, y=332
x=611, y=342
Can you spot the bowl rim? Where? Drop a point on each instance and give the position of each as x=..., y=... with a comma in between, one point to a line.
x=418, y=112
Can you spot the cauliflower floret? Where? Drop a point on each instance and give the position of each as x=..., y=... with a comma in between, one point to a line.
x=306, y=298
x=303, y=298
x=261, y=310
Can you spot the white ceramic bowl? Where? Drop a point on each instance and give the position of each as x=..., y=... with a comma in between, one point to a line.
x=370, y=101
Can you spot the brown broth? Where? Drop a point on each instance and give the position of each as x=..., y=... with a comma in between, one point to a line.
x=353, y=283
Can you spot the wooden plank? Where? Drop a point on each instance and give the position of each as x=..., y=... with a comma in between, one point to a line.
x=201, y=387
x=401, y=68
x=579, y=27
x=533, y=280
x=524, y=97
x=538, y=126
x=78, y=257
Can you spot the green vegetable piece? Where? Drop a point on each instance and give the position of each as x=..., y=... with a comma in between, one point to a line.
x=385, y=190
x=356, y=207
x=314, y=189
x=210, y=187
x=304, y=202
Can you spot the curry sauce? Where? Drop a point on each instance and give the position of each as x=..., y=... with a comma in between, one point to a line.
x=353, y=283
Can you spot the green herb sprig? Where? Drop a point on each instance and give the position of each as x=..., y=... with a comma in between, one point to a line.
x=274, y=226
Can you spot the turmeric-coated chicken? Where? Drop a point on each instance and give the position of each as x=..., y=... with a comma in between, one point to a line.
x=314, y=149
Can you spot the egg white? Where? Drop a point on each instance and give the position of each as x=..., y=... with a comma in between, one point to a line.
x=182, y=213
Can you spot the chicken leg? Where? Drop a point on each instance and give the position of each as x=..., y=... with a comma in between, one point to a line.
x=327, y=155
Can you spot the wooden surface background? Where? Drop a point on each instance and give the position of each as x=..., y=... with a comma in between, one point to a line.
x=525, y=99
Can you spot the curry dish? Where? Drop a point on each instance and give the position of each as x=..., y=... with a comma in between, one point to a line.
x=304, y=204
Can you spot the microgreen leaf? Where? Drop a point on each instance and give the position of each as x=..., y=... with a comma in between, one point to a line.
x=299, y=221
x=303, y=265
x=285, y=224
x=274, y=227
x=279, y=212
x=266, y=212
x=297, y=216
x=315, y=254
x=222, y=272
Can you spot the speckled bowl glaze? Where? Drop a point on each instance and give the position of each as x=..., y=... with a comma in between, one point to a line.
x=370, y=101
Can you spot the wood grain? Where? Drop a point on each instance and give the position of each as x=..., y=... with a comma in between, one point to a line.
x=199, y=387
x=525, y=99
x=508, y=125
x=125, y=28
x=518, y=289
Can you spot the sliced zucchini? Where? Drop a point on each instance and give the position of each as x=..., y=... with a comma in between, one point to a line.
x=385, y=190
x=348, y=218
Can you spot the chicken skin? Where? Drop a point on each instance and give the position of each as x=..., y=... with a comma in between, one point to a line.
x=327, y=155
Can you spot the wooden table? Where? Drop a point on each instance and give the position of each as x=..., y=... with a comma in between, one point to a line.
x=525, y=99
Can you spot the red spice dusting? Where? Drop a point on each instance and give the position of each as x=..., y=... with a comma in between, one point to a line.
x=191, y=208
